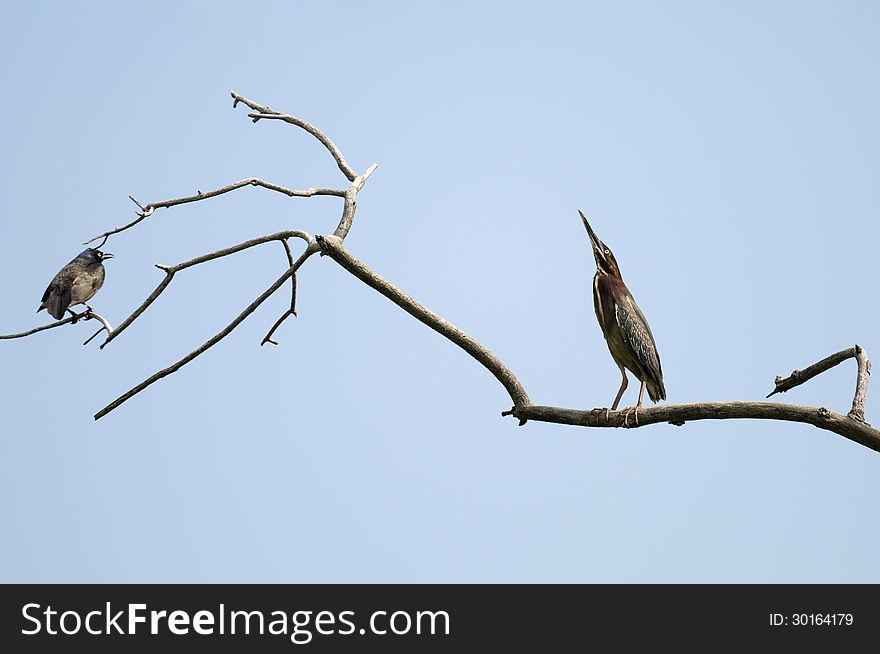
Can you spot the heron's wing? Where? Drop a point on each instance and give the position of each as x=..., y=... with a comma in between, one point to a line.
x=636, y=331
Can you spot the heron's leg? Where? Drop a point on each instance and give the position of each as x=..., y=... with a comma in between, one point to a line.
x=623, y=384
x=641, y=399
x=635, y=411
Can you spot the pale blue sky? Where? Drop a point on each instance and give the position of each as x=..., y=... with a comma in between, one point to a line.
x=728, y=152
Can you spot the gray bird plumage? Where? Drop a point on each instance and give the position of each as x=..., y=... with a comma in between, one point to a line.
x=75, y=283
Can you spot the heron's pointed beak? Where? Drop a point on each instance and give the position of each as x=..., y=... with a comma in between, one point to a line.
x=594, y=240
x=598, y=247
x=597, y=244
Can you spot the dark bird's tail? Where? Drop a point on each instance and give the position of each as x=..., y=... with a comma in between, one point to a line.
x=52, y=304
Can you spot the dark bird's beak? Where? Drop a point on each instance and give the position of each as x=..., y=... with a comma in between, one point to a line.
x=107, y=255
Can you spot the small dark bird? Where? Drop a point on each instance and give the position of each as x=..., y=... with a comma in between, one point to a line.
x=624, y=327
x=76, y=283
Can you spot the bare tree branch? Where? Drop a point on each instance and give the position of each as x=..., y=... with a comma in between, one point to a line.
x=678, y=414
x=35, y=330
x=311, y=129
x=348, y=212
x=170, y=271
x=85, y=315
x=851, y=426
x=143, y=307
x=106, y=326
x=798, y=377
x=350, y=206
x=309, y=251
x=858, y=408
x=147, y=210
x=332, y=247
x=270, y=114
x=292, y=310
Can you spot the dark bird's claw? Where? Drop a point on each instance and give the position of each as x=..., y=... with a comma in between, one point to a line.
x=85, y=315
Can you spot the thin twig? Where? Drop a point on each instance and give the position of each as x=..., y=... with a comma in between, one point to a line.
x=137, y=312
x=284, y=316
x=147, y=210
x=314, y=131
x=106, y=325
x=289, y=255
x=85, y=315
x=171, y=270
x=35, y=330
x=110, y=232
x=310, y=250
x=332, y=247
x=359, y=181
x=798, y=377
x=292, y=310
x=269, y=114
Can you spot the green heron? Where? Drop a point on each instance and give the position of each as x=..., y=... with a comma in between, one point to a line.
x=624, y=327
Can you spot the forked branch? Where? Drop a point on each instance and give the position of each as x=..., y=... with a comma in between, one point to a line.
x=292, y=310
x=270, y=114
x=170, y=271
x=88, y=314
x=174, y=367
x=798, y=377
x=349, y=208
x=678, y=414
x=851, y=426
x=147, y=210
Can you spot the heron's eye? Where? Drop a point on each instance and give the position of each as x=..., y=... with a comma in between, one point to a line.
x=607, y=251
